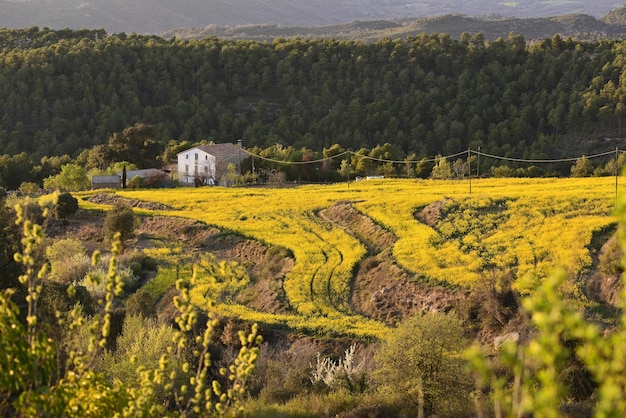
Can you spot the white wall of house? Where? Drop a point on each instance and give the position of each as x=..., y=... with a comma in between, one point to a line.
x=195, y=164
x=208, y=164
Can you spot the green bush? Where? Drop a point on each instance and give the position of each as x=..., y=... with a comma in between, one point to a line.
x=582, y=168
x=610, y=258
x=67, y=205
x=421, y=360
x=95, y=281
x=68, y=260
x=136, y=182
x=119, y=219
x=442, y=169
x=29, y=187
x=141, y=344
x=44, y=376
x=71, y=178
x=31, y=208
x=141, y=303
x=138, y=261
x=502, y=171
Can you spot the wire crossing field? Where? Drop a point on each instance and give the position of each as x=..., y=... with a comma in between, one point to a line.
x=521, y=225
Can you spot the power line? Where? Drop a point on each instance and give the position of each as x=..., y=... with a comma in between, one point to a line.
x=321, y=160
x=430, y=160
x=559, y=160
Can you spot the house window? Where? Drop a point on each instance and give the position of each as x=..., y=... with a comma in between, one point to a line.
x=206, y=157
x=196, y=156
x=186, y=169
x=196, y=170
x=206, y=170
x=186, y=156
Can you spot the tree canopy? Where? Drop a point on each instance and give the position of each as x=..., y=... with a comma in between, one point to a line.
x=67, y=91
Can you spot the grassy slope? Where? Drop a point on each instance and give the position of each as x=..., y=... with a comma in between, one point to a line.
x=528, y=226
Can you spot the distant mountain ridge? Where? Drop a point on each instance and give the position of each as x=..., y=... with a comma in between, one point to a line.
x=616, y=16
x=583, y=27
x=157, y=16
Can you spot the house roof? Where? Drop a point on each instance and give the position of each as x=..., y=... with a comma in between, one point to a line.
x=105, y=179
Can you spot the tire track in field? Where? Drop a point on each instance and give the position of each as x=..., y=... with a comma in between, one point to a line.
x=316, y=273
x=380, y=288
x=326, y=278
x=374, y=237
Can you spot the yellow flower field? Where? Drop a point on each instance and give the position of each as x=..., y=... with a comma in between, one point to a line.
x=522, y=225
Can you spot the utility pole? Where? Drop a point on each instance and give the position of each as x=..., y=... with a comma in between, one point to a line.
x=348, y=171
x=239, y=142
x=616, y=170
x=469, y=169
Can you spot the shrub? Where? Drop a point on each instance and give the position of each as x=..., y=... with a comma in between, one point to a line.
x=71, y=270
x=502, y=171
x=35, y=379
x=119, y=219
x=345, y=372
x=421, y=361
x=138, y=261
x=493, y=303
x=96, y=278
x=31, y=208
x=442, y=169
x=276, y=177
x=55, y=300
x=71, y=178
x=29, y=187
x=68, y=260
x=67, y=205
x=156, y=180
x=136, y=182
x=275, y=383
x=141, y=303
x=141, y=344
x=582, y=168
x=610, y=259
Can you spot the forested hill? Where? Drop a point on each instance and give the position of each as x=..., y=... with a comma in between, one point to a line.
x=65, y=91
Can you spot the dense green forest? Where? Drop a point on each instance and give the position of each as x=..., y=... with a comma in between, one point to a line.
x=66, y=91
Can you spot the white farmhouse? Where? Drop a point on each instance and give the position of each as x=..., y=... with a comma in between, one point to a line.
x=208, y=164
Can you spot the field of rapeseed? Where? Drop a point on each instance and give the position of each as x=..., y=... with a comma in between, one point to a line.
x=526, y=226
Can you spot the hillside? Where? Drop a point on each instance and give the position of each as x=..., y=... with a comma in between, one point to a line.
x=373, y=254
x=385, y=248
x=423, y=253
x=579, y=26
x=335, y=278
x=616, y=16
x=155, y=16
x=69, y=91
